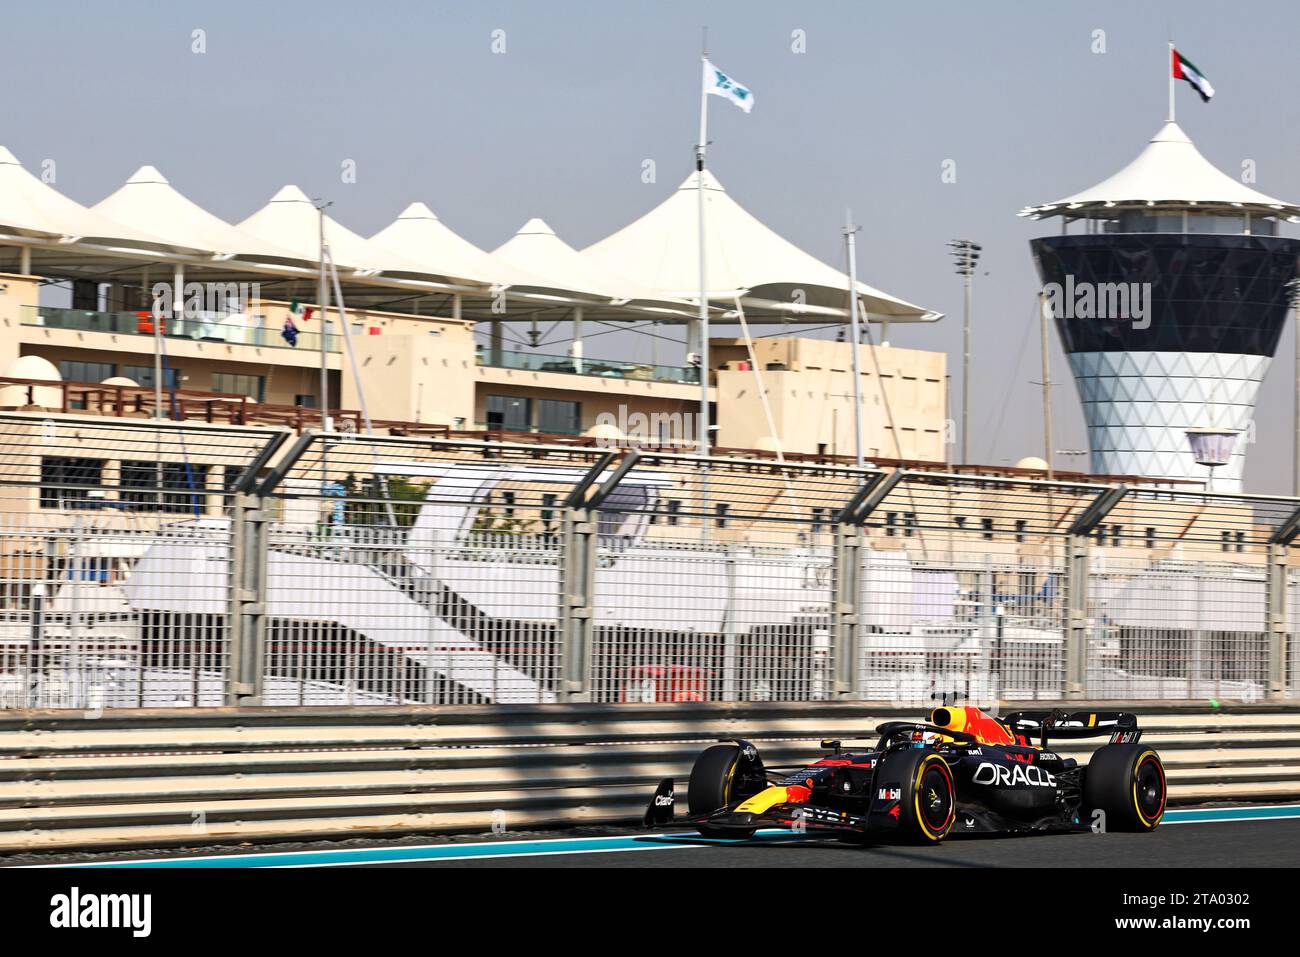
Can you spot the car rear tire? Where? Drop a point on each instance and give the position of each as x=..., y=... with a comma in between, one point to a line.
x=1126, y=782
x=712, y=787
x=927, y=805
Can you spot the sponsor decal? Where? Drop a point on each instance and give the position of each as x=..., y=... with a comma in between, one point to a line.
x=664, y=800
x=1015, y=775
x=889, y=794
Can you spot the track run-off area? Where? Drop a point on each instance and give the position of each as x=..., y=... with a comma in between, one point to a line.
x=1261, y=836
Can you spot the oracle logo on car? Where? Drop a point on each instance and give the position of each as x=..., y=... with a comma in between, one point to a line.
x=1002, y=775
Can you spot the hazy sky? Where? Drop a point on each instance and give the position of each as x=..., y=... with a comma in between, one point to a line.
x=560, y=124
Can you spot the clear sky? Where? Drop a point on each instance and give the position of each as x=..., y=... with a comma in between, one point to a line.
x=560, y=124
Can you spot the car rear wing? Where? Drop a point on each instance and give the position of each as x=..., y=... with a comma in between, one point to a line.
x=1120, y=725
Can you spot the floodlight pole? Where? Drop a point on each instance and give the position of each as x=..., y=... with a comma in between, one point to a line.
x=1044, y=310
x=965, y=374
x=1293, y=291
x=965, y=254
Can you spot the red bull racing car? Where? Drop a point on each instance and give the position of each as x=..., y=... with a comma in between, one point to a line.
x=962, y=771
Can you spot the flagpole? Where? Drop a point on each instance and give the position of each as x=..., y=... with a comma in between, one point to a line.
x=322, y=298
x=700, y=149
x=1170, y=67
x=852, y=254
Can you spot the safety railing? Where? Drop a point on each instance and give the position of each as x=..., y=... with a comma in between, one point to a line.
x=228, y=776
x=152, y=563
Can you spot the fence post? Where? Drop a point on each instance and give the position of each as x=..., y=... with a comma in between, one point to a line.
x=846, y=590
x=247, y=616
x=1276, y=622
x=577, y=574
x=1078, y=560
x=846, y=572
x=579, y=538
x=1276, y=604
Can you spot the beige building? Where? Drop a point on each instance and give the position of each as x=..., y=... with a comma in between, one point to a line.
x=428, y=369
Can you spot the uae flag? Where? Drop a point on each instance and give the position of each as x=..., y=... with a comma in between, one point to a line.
x=1185, y=69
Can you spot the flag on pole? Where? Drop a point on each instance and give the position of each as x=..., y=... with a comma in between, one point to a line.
x=719, y=84
x=1185, y=69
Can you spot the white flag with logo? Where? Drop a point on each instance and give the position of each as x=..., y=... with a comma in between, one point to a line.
x=719, y=84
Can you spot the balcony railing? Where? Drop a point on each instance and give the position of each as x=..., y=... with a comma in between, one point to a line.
x=571, y=365
x=205, y=328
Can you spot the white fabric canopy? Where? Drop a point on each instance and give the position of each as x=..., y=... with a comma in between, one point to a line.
x=538, y=250
x=1170, y=169
x=32, y=207
x=148, y=201
x=418, y=236
x=744, y=258
x=291, y=221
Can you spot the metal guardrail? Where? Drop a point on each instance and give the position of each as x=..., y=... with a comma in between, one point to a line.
x=187, y=777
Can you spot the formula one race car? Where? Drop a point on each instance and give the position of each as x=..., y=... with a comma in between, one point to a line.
x=962, y=770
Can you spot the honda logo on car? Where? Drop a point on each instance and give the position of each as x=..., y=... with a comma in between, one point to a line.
x=1009, y=776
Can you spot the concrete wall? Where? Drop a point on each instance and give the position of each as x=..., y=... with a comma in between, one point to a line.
x=809, y=384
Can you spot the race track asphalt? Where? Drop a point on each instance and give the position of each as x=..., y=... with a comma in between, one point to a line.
x=1232, y=844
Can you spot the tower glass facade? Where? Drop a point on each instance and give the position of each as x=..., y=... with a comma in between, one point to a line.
x=1190, y=350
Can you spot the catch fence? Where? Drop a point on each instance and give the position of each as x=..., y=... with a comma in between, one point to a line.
x=146, y=563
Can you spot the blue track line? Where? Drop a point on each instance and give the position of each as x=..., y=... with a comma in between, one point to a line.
x=583, y=845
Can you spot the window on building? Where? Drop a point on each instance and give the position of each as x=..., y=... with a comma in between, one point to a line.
x=987, y=524
x=75, y=371
x=818, y=518
x=305, y=400
x=674, y=510
x=959, y=521
x=1020, y=529
x=1151, y=537
x=1225, y=541
x=559, y=416
x=720, y=510
x=1116, y=533
x=229, y=476
x=891, y=520
x=173, y=487
x=909, y=523
x=143, y=375
x=509, y=413
x=232, y=383
x=1240, y=538
x=67, y=482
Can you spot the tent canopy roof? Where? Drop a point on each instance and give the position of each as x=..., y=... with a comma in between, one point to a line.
x=291, y=221
x=420, y=237
x=745, y=259
x=31, y=207
x=148, y=201
x=1170, y=170
x=537, y=249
